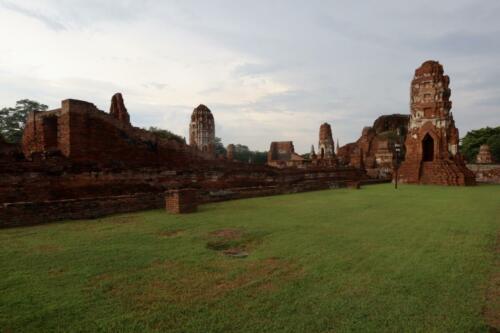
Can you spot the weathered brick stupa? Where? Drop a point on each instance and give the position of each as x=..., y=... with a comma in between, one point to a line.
x=484, y=155
x=432, y=155
x=202, y=130
x=325, y=145
x=230, y=152
x=118, y=109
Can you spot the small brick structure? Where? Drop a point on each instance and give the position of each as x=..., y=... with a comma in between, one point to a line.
x=181, y=201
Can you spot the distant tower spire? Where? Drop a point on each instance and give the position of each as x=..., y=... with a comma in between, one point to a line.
x=202, y=130
x=326, y=146
x=312, y=155
x=337, y=147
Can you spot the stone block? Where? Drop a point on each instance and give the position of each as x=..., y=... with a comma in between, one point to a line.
x=181, y=201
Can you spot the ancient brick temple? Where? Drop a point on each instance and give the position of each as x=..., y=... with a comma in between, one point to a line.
x=326, y=147
x=432, y=155
x=80, y=162
x=484, y=155
x=374, y=151
x=282, y=154
x=202, y=130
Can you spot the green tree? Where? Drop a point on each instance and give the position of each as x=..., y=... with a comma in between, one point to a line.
x=494, y=143
x=219, y=147
x=475, y=138
x=13, y=119
x=244, y=154
x=166, y=134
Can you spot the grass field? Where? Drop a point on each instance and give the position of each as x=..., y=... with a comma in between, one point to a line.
x=413, y=260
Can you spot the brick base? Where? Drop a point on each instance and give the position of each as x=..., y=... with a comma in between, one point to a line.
x=439, y=172
x=181, y=201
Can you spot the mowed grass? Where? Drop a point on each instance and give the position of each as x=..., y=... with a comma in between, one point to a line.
x=416, y=259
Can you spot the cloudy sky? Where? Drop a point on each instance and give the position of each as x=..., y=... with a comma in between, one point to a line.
x=268, y=70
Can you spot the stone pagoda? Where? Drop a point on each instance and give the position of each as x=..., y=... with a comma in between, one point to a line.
x=202, y=130
x=432, y=155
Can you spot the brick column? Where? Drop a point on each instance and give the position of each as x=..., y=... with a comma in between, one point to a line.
x=181, y=201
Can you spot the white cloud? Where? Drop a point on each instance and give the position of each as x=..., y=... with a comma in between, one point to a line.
x=269, y=70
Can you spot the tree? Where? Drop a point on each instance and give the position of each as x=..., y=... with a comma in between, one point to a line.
x=494, y=143
x=244, y=154
x=13, y=120
x=475, y=138
x=219, y=147
x=241, y=153
x=166, y=134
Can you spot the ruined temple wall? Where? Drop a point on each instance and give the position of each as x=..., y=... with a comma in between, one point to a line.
x=486, y=173
x=56, y=182
x=83, y=133
x=47, y=196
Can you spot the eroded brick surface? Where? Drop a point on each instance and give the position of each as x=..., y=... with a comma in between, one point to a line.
x=80, y=162
x=181, y=201
x=484, y=155
x=432, y=155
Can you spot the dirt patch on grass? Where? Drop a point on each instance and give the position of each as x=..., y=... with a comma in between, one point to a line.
x=123, y=219
x=233, y=242
x=170, y=233
x=227, y=233
x=47, y=249
x=185, y=284
x=492, y=307
x=56, y=272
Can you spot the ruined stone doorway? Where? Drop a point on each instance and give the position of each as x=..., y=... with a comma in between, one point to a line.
x=322, y=152
x=427, y=148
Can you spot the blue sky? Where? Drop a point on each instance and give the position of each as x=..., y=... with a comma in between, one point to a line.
x=268, y=70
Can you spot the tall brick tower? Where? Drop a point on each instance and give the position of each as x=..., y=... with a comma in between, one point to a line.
x=432, y=155
x=326, y=148
x=202, y=130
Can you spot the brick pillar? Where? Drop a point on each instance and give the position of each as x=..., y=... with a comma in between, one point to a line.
x=181, y=201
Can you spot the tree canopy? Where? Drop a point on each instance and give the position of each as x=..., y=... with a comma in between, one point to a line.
x=475, y=138
x=244, y=154
x=219, y=147
x=166, y=134
x=13, y=119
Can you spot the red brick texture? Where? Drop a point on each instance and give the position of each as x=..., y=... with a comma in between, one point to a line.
x=432, y=155
x=81, y=162
x=374, y=151
x=181, y=201
x=202, y=130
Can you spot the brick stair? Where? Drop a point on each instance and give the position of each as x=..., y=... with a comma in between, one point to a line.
x=445, y=172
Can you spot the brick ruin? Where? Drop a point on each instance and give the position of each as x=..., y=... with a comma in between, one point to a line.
x=374, y=151
x=326, y=147
x=80, y=162
x=81, y=133
x=118, y=109
x=230, y=152
x=484, y=155
x=282, y=154
x=202, y=130
x=181, y=201
x=432, y=155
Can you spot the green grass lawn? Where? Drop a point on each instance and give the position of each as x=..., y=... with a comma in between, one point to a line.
x=413, y=260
